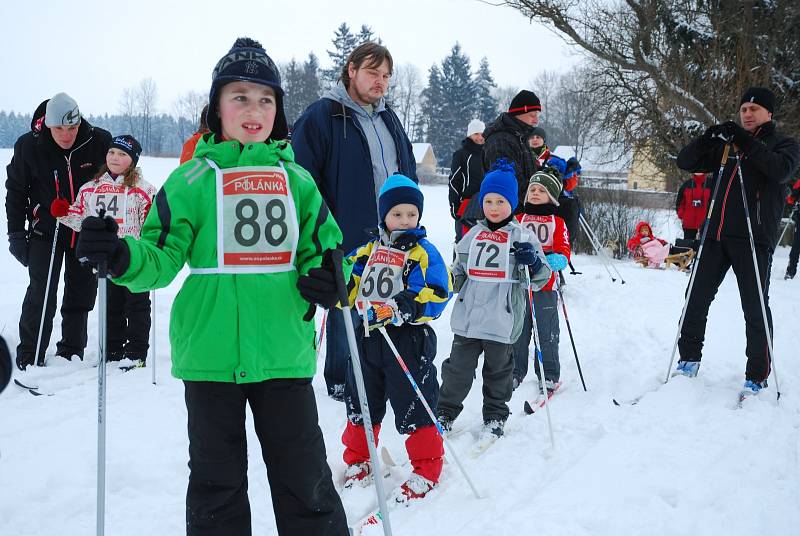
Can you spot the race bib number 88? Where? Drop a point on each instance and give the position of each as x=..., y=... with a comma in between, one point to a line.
x=259, y=225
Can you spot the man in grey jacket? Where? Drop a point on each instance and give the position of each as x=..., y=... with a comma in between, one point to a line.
x=351, y=141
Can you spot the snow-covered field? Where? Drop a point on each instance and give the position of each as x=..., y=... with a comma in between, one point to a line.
x=681, y=462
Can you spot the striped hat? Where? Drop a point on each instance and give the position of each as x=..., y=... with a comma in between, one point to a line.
x=548, y=177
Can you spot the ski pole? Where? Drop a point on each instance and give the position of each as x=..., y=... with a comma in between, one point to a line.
x=322, y=331
x=597, y=249
x=341, y=285
x=101, y=398
x=572, y=269
x=427, y=407
x=600, y=248
x=696, y=262
x=539, y=361
x=47, y=287
x=783, y=233
x=569, y=330
x=758, y=277
x=153, y=352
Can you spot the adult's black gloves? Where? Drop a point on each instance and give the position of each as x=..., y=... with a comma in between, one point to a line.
x=18, y=246
x=728, y=132
x=98, y=242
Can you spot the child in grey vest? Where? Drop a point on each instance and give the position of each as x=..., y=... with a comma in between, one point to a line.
x=489, y=312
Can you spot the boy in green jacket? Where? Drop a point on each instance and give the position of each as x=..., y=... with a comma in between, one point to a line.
x=249, y=222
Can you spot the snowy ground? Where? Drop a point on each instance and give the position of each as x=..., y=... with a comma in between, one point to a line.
x=681, y=462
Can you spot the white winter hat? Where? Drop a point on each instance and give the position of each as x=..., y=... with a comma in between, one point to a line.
x=476, y=126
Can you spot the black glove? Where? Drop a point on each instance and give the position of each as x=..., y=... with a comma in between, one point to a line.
x=98, y=242
x=718, y=134
x=18, y=246
x=525, y=254
x=740, y=136
x=407, y=305
x=318, y=287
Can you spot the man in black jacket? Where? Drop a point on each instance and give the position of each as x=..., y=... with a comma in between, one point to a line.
x=507, y=137
x=59, y=155
x=466, y=174
x=768, y=160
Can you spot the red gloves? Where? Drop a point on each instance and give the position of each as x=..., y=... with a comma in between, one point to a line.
x=790, y=200
x=59, y=207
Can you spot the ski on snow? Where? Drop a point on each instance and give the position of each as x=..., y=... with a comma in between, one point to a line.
x=539, y=404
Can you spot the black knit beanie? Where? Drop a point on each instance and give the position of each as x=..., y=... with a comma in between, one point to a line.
x=247, y=61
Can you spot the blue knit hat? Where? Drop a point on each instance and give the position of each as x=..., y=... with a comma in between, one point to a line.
x=396, y=190
x=501, y=180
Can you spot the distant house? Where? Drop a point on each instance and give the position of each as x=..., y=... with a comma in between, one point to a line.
x=600, y=166
x=644, y=175
x=424, y=157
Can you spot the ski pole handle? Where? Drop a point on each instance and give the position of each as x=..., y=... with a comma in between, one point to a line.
x=341, y=285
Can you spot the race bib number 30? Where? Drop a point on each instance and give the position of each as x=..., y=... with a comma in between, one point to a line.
x=544, y=227
x=489, y=256
x=259, y=225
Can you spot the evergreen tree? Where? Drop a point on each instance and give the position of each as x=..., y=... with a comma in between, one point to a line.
x=292, y=82
x=366, y=34
x=485, y=103
x=449, y=103
x=312, y=85
x=344, y=41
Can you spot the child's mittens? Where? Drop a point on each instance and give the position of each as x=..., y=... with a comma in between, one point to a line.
x=557, y=261
x=59, y=207
x=382, y=315
x=526, y=255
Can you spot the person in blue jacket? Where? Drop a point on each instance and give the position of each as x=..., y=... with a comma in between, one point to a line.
x=351, y=142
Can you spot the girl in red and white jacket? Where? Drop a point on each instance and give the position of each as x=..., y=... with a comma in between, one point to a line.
x=540, y=217
x=120, y=190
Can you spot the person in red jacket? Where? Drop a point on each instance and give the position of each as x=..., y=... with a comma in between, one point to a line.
x=644, y=244
x=793, y=200
x=692, y=204
x=540, y=216
x=189, y=145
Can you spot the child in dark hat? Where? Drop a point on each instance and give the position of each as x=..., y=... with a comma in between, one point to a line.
x=401, y=284
x=489, y=272
x=540, y=217
x=122, y=193
x=537, y=143
x=257, y=237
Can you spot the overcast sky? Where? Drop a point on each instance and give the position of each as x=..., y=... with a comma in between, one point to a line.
x=94, y=49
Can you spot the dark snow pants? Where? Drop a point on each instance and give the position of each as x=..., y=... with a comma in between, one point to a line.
x=545, y=305
x=458, y=372
x=717, y=258
x=128, y=321
x=80, y=290
x=286, y=422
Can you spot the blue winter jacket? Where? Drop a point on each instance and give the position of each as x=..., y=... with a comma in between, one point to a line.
x=329, y=142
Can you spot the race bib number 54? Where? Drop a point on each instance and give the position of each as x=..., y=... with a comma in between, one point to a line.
x=259, y=225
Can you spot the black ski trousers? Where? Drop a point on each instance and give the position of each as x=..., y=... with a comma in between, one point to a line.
x=286, y=422
x=128, y=321
x=717, y=258
x=80, y=290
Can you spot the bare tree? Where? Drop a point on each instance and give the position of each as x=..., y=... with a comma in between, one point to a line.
x=187, y=108
x=404, y=94
x=146, y=95
x=576, y=111
x=504, y=95
x=668, y=68
x=128, y=110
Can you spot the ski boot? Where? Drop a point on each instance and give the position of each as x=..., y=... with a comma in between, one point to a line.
x=687, y=368
x=415, y=488
x=359, y=474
